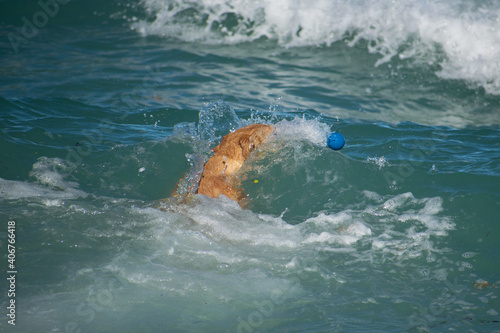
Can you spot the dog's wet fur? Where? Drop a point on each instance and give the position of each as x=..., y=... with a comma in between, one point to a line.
x=219, y=175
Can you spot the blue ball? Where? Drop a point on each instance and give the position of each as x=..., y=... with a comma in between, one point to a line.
x=335, y=141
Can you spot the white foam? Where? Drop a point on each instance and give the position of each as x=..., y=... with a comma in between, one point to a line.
x=11, y=189
x=397, y=201
x=51, y=172
x=373, y=196
x=51, y=184
x=465, y=32
x=210, y=251
x=468, y=254
x=344, y=236
x=379, y=161
x=492, y=312
x=405, y=228
x=301, y=129
x=330, y=219
x=224, y=220
x=428, y=216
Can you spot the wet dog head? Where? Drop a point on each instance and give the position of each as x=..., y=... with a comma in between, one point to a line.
x=234, y=149
x=239, y=144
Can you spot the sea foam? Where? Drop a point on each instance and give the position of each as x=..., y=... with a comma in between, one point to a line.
x=461, y=37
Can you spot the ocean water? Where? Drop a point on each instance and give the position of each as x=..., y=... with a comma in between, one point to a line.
x=108, y=109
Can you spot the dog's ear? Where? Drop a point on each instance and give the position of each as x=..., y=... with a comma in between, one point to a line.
x=255, y=140
x=247, y=146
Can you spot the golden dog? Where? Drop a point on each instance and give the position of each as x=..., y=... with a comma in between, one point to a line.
x=219, y=175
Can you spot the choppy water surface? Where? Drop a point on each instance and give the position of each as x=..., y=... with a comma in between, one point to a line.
x=110, y=108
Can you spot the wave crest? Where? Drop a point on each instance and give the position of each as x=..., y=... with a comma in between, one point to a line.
x=461, y=37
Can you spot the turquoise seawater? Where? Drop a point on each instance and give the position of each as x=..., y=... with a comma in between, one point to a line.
x=107, y=109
